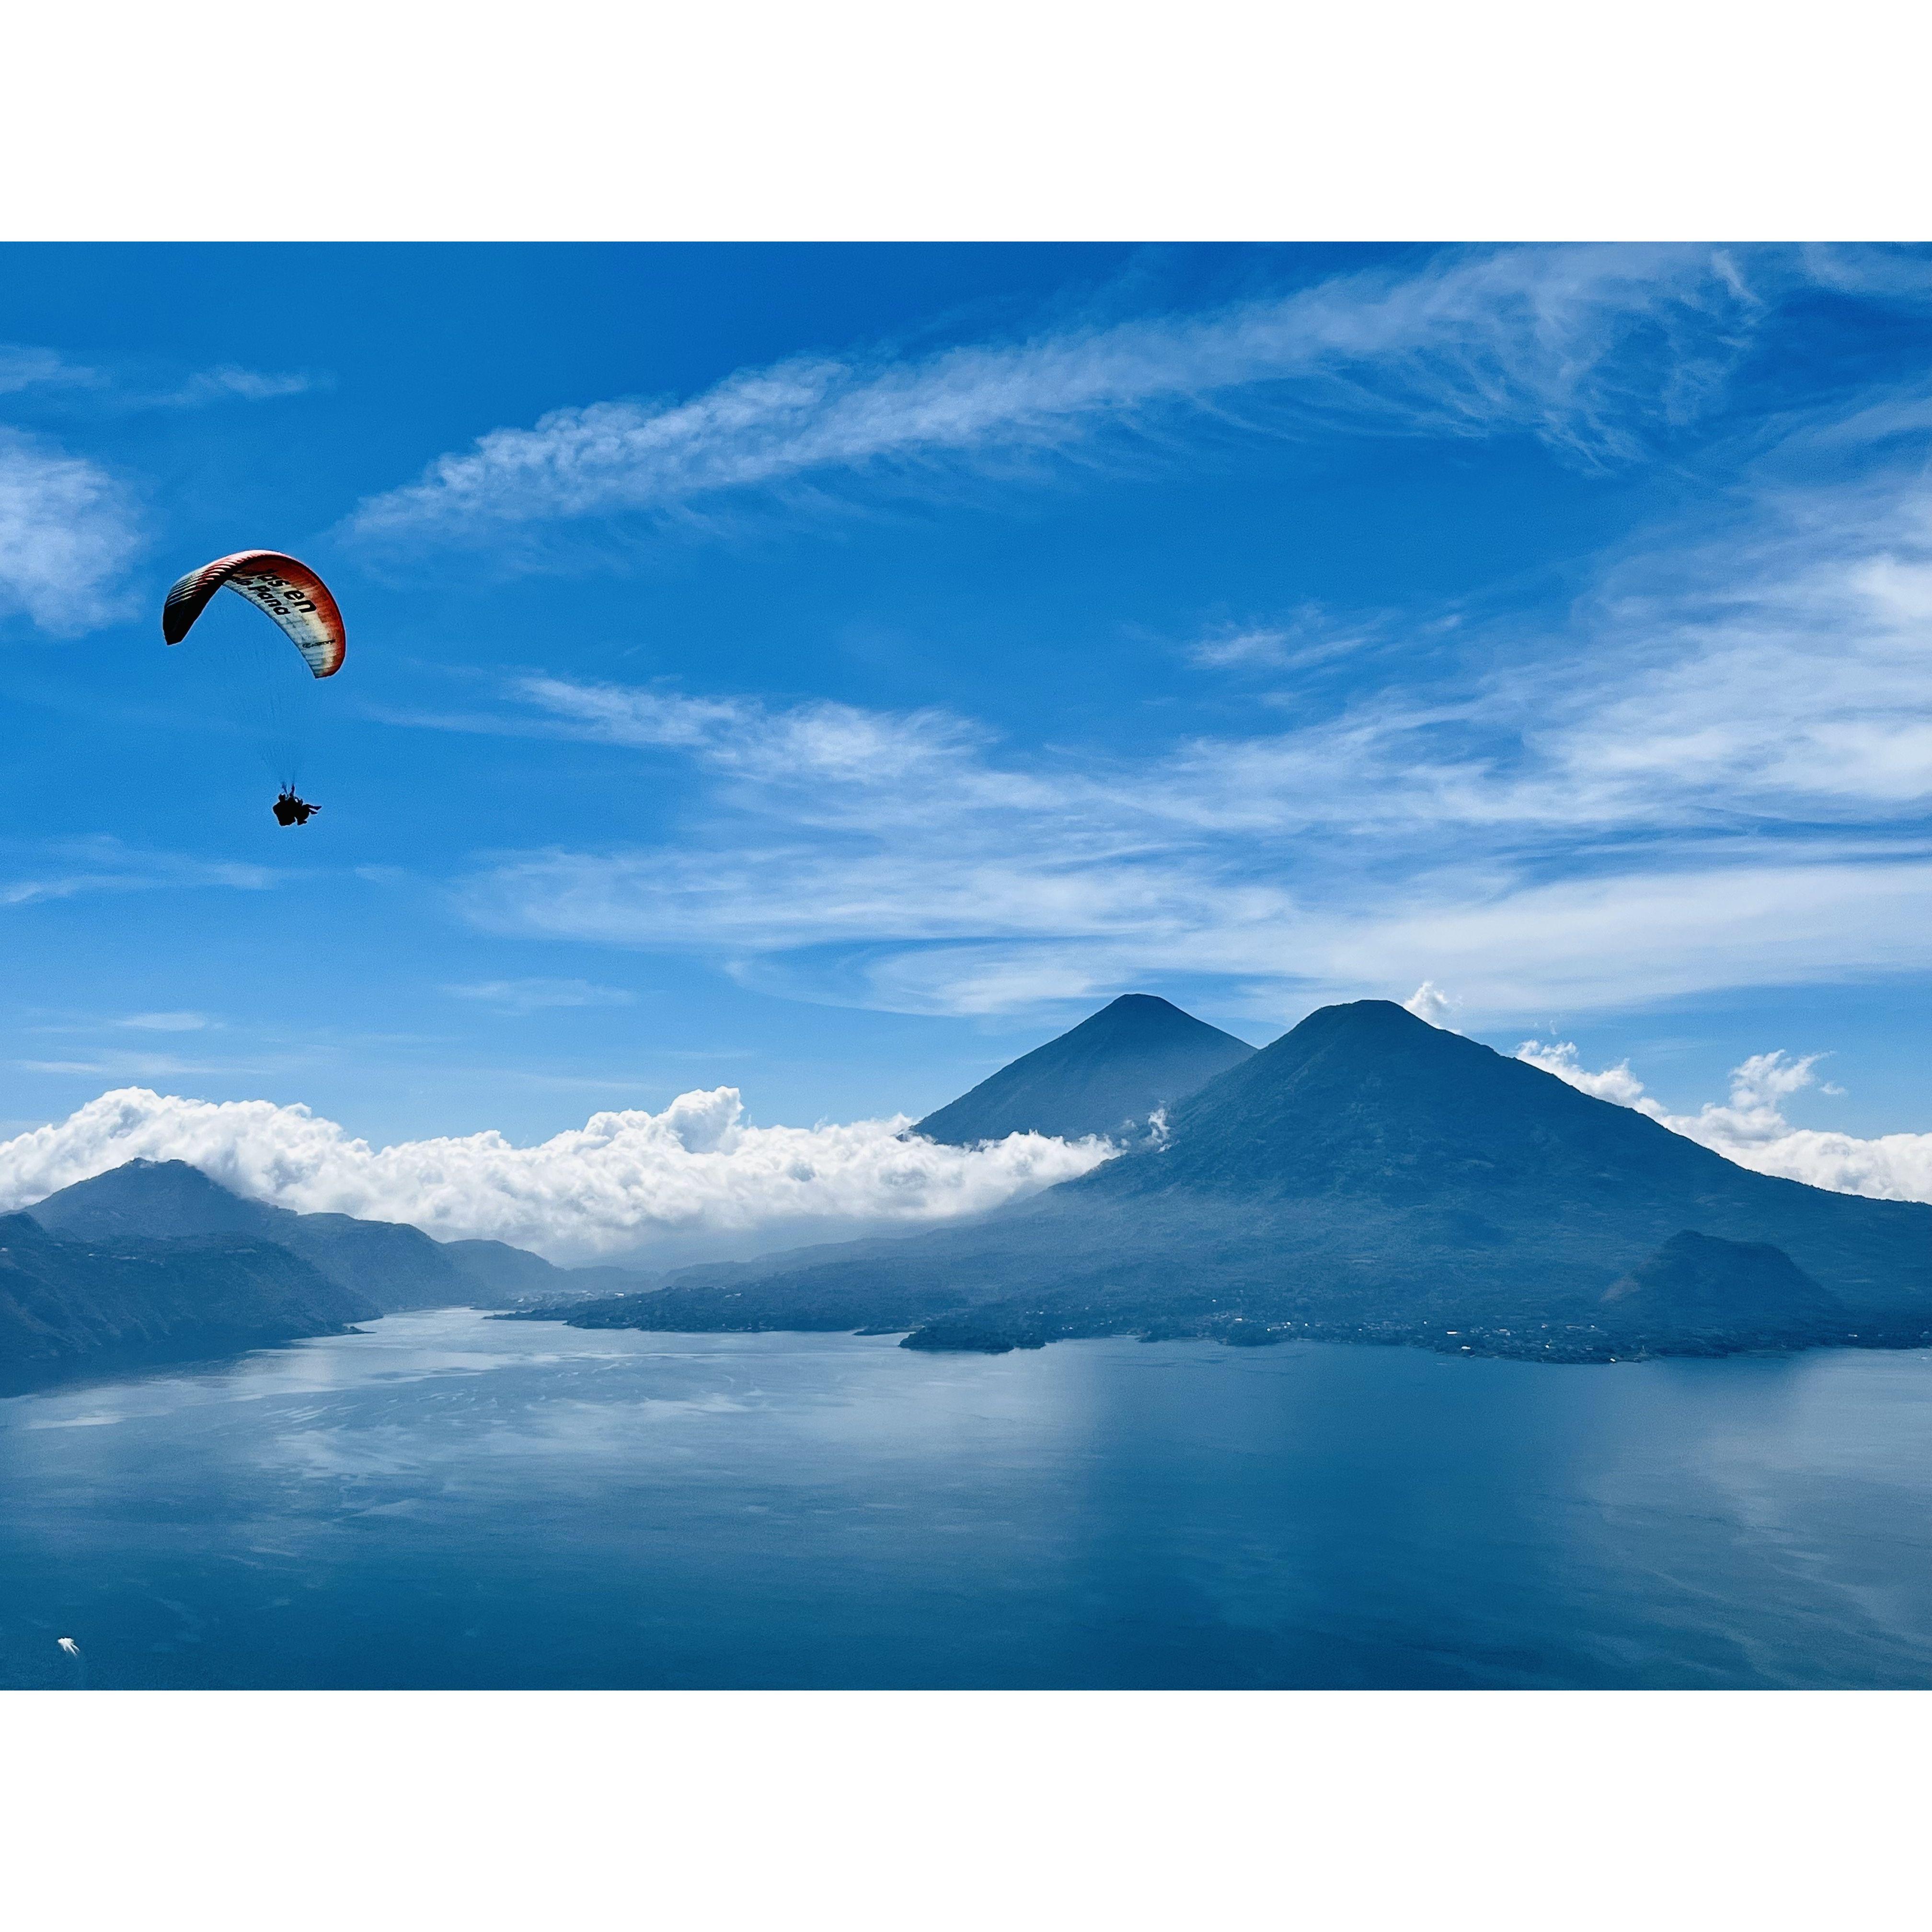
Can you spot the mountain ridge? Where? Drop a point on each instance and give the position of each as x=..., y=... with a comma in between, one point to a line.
x=396, y=1265
x=154, y=1260
x=65, y=1303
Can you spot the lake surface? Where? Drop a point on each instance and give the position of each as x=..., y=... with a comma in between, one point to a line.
x=447, y=1500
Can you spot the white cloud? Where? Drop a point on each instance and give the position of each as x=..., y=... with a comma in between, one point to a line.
x=698, y=1172
x=1671, y=928
x=962, y=884
x=1616, y=1083
x=531, y=996
x=229, y=382
x=168, y=1022
x=24, y=366
x=69, y=868
x=805, y=746
x=1307, y=637
x=1782, y=670
x=1750, y=1127
x=622, y=1181
x=1591, y=349
x=68, y=531
x=1713, y=768
x=129, y=1066
x=1242, y=647
x=1429, y=1002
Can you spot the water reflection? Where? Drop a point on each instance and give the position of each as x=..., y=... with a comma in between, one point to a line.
x=445, y=1500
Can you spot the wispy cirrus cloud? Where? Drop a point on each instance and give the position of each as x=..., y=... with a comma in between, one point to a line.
x=1246, y=647
x=23, y=366
x=518, y=997
x=68, y=868
x=125, y=1066
x=836, y=751
x=26, y=367
x=1714, y=770
x=229, y=382
x=1302, y=639
x=1595, y=351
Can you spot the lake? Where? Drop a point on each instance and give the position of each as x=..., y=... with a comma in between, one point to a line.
x=446, y=1501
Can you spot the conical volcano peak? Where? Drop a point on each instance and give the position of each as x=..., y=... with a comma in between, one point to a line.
x=1105, y=1076
x=1365, y=1034
x=1142, y=1009
x=1139, y=1017
x=1366, y=1098
x=1377, y=1020
x=1370, y=1013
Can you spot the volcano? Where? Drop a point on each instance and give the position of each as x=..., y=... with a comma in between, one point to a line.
x=1371, y=1177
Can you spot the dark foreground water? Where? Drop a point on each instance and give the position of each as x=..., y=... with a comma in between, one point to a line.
x=447, y=1500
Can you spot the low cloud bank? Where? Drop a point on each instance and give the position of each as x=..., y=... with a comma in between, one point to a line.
x=1750, y=1128
x=625, y=1181
x=697, y=1178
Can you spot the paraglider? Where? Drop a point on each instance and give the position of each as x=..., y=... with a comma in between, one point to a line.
x=288, y=591
x=284, y=586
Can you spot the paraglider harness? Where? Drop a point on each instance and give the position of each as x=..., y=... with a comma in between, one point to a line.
x=290, y=810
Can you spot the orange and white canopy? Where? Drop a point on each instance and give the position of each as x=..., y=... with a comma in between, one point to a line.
x=284, y=586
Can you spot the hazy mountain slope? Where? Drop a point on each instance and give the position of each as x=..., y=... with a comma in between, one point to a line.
x=502, y=1270
x=1478, y=1163
x=1368, y=1175
x=393, y=1265
x=62, y=1302
x=1105, y=1077
x=503, y=1273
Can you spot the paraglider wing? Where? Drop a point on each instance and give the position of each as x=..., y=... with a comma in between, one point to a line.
x=283, y=586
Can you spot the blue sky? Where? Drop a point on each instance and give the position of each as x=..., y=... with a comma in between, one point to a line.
x=829, y=671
